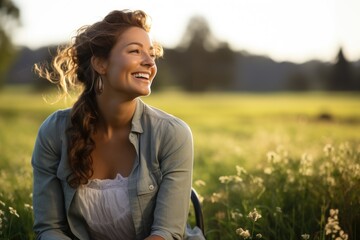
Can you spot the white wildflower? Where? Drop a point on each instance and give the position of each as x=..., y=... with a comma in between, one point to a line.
x=243, y=233
x=224, y=179
x=215, y=197
x=240, y=170
x=13, y=212
x=258, y=236
x=200, y=183
x=305, y=236
x=254, y=215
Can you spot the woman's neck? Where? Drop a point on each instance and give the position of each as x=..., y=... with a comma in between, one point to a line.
x=115, y=114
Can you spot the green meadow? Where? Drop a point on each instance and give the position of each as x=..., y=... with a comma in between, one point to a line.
x=267, y=166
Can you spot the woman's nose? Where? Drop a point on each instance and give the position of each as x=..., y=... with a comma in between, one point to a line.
x=148, y=60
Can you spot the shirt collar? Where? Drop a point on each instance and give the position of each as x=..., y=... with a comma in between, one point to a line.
x=136, y=125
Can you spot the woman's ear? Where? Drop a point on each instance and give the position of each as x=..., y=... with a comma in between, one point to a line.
x=99, y=65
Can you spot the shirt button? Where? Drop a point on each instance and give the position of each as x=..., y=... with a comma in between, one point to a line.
x=151, y=187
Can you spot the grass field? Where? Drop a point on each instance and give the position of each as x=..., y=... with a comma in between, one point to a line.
x=267, y=150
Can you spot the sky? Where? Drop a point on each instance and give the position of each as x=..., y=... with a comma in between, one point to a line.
x=285, y=30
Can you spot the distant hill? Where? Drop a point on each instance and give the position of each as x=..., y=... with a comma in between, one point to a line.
x=248, y=72
x=21, y=71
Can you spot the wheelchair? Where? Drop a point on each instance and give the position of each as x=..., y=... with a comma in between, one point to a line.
x=199, y=218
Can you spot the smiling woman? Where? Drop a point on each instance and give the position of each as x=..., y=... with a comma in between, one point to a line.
x=128, y=60
x=111, y=167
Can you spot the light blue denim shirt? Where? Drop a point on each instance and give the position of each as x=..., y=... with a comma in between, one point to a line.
x=159, y=184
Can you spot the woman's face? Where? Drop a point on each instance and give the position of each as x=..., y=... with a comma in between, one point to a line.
x=131, y=68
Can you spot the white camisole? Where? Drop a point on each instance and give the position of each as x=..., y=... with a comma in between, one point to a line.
x=105, y=207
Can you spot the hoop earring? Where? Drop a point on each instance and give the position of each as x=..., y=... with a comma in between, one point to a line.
x=99, y=85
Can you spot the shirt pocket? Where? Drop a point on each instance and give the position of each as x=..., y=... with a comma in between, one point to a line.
x=148, y=183
x=147, y=188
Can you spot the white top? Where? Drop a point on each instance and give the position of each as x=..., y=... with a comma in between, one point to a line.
x=105, y=206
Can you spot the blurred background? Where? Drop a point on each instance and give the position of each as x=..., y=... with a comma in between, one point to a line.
x=270, y=90
x=248, y=46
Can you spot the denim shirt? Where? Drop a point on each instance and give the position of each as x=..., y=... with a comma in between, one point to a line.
x=159, y=185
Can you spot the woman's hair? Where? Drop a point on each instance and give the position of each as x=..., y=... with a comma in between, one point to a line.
x=72, y=67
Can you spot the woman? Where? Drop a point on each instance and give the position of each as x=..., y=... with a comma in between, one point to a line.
x=111, y=167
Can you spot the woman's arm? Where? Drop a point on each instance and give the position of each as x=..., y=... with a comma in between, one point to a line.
x=173, y=198
x=48, y=200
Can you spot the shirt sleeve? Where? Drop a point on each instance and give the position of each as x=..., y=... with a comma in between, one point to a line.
x=48, y=200
x=173, y=199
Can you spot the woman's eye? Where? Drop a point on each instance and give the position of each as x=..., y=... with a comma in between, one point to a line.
x=152, y=54
x=135, y=51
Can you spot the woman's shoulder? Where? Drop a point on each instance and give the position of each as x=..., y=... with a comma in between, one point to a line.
x=164, y=117
x=57, y=119
x=53, y=129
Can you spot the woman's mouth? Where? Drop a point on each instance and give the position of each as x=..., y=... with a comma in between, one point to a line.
x=142, y=75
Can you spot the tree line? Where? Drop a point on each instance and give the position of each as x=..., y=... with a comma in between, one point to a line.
x=199, y=63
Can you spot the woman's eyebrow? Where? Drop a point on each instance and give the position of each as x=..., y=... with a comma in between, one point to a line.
x=139, y=44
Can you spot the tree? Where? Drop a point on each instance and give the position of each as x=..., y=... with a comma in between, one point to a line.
x=204, y=63
x=341, y=78
x=9, y=15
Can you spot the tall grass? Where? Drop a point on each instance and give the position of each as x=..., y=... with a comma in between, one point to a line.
x=289, y=158
x=292, y=197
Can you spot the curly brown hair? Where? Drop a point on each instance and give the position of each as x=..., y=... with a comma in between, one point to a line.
x=72, y=67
